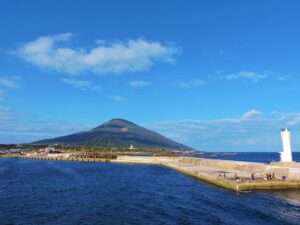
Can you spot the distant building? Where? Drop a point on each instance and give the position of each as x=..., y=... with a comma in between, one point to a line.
x=3, y=151
x=16, y=151
x=131, y=147
x=50, y=149
x=286, y=154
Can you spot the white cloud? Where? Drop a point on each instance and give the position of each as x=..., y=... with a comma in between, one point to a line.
x=8, y=83
x=230, y=134
x=81, y=84
x=189, y=84
x=284, y=78
x=249, y=76
x=246, y=75
x=118, y=98
x=2, y=94
x=19, y=127
x=293, y=119
x=249, y=115
x=6, y=114
x=234, y=134
x=52, y=52
x=139, y=83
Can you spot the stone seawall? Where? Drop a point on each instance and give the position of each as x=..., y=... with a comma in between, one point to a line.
x=57, y=158
x=291, y=171
x=212, y=171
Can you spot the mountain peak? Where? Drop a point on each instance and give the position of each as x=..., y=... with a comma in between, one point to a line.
x=114, y=124
x=118, y=120
x=118, y=133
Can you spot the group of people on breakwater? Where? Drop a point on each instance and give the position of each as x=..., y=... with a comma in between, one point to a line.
x=268, y=176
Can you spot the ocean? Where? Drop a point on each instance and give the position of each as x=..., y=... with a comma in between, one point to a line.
x=262, y=157
x=67, y=192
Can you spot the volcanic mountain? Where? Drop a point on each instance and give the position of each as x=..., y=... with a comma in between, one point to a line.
x=117, y=133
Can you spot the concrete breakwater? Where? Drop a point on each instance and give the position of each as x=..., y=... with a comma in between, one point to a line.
x=212, y=171
x=56, y=157
x=222, y=173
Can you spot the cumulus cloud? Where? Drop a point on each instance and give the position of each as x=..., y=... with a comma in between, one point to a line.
x=246, y=75
x=54, y=53
x=189, y=84
x=139, y=83
x=250, y=132
x=81, y=84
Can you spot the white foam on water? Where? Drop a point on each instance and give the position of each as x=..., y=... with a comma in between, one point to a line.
x=62, y=168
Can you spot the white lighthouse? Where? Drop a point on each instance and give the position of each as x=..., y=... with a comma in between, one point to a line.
x=286, y=154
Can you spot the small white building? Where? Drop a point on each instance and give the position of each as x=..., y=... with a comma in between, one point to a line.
x=50, y=149
x=286, y=154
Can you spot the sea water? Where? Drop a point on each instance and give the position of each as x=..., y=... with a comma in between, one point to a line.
x=67, y=192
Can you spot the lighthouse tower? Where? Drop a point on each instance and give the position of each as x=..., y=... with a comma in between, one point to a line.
x=286, y=154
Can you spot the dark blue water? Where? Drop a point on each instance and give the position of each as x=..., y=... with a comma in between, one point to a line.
x=262, y=157
x=65, y=192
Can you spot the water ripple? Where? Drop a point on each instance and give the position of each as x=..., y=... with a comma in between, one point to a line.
x=57, y=192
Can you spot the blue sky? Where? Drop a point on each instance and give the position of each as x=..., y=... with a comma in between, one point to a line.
x=216, y=75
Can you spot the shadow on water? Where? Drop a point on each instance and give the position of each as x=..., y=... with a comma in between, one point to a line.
x=291, y=196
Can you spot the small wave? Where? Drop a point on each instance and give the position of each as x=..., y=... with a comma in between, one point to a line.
x=62, y=168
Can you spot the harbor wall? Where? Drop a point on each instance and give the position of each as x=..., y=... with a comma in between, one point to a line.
x=290, y=171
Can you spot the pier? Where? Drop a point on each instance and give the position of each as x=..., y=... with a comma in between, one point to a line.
x=222, y=173
x=212, y=171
